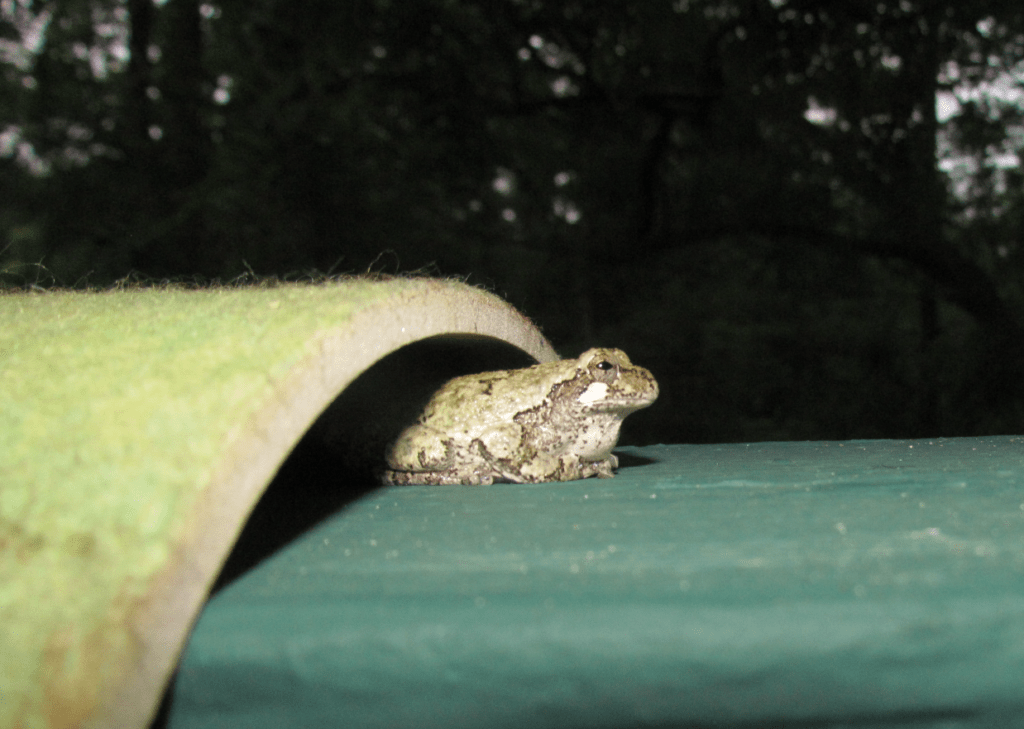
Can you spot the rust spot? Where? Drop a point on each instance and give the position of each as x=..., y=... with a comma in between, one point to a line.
x=70, y=679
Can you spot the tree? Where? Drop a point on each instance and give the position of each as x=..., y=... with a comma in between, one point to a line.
x=758, y=196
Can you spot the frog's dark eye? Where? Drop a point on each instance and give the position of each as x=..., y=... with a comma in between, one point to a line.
x=604, y=365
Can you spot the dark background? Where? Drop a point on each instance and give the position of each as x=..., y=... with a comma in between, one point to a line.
x=645, y=175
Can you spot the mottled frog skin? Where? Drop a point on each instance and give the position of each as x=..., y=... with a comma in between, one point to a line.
x=556, y=421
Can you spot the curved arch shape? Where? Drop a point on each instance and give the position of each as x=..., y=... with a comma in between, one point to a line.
x=180, y=410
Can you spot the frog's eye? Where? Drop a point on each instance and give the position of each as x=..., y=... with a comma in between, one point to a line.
x=605, y=371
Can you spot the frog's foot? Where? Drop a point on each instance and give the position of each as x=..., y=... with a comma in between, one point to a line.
x=604, y=468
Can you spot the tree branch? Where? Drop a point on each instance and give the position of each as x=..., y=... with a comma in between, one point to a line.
x=961, y=281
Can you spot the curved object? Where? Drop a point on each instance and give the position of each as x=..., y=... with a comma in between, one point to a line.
x=138, y=429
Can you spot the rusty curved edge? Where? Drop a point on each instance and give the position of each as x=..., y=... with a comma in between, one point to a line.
x=162, y=621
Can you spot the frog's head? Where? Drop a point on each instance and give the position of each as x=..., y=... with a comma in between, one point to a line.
x=614, y=384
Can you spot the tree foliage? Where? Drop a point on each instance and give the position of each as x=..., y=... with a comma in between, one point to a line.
x=760, y=199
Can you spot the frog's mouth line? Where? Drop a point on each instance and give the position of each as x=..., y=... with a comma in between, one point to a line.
x=626, y=404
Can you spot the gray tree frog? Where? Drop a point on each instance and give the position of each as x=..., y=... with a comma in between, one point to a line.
x=556, y=421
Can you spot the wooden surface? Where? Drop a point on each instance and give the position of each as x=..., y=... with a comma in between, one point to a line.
x=821, y=584
x=138, y=429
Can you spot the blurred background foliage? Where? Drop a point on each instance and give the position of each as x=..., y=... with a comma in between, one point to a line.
x=804, y=217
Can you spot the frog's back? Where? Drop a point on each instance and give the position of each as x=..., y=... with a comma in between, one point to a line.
x=473, y=403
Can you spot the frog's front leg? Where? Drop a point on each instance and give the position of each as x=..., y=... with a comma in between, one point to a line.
x=605, y=468
x=512, y=455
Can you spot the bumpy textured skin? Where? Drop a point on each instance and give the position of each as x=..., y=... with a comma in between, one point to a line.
x=556, y=421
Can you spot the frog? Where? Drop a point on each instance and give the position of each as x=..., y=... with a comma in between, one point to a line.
x=554, y=421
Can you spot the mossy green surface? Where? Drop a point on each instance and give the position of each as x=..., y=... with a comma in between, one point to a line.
x=117, y=407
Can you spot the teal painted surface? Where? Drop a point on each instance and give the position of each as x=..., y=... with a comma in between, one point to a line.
x=865, y=583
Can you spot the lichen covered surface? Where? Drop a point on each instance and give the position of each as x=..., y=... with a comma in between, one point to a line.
x=118, y=408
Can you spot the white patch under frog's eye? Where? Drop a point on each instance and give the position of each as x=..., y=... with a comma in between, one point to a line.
x=595, y=391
